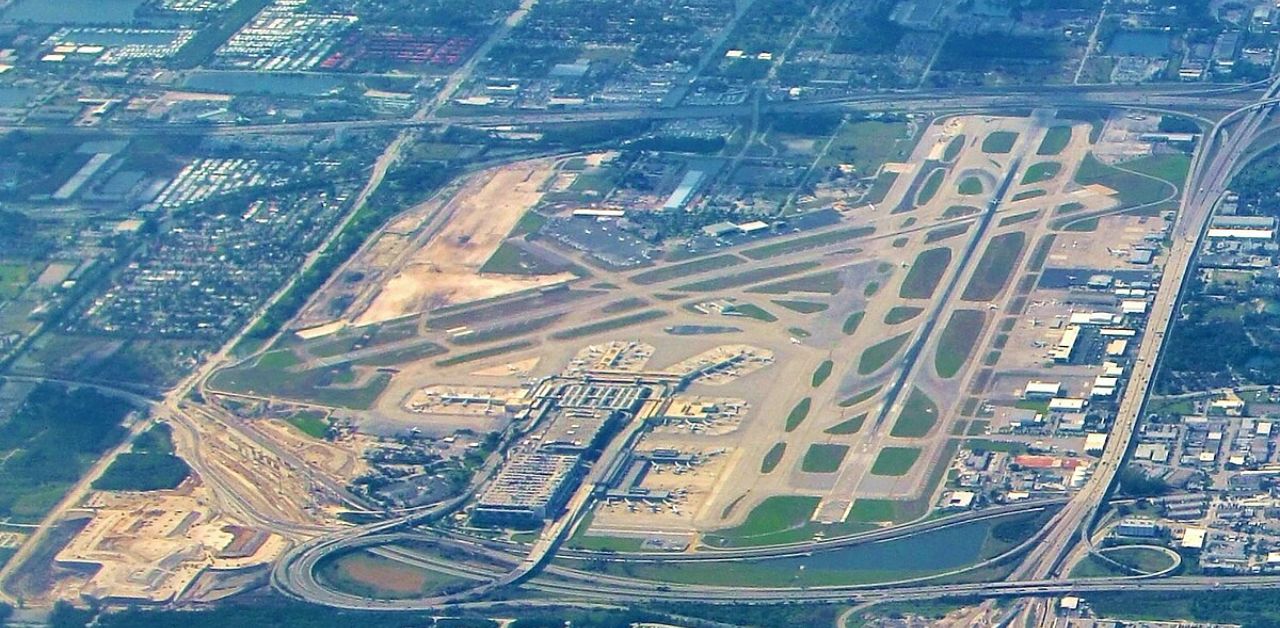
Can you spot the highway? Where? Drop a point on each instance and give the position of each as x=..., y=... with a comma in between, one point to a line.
x=1154, y=97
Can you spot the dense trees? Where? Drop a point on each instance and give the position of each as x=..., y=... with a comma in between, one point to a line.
x=52, y=438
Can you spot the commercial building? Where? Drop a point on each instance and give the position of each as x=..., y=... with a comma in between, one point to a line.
x=1243, y=222
x=1141, y=256
x=600, y=213
x=1194, y=538
x=1240, y=234
x=1094, y=443
x=1092, y=318
x=1133, y=307
x=1225, y=49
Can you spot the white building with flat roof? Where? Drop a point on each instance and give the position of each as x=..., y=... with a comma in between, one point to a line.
x=1036, y=388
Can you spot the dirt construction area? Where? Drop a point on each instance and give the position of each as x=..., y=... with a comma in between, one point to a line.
x=477, y=220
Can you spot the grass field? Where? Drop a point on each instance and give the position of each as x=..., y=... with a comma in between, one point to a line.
x=868, y=144
x=610, y=324
x=895, y=460
x=925, y=273
x=1041, y=253
x=1130, y=188
x=738, y=280
x=879, y=354
x=1017, y=218
x=1055, y=139
x=752, y=311
x=957, y=342
x=826, y=282
x=773, y=515
x=953, y=148
x=367, y=574
x=773, y=457
x=1085, y=225
x=995, y=267
x=919, y=415
x=269, y=375
x=593, y=542
x=510, y=259
x=623, y=305
x=798, y=414
x=1140, y=558
x=805, y=243
x=14, y=277
x=677, y=271
x=851, y=323
x=1041, y=171
x=880, y=187
x=506, y=330
x=872, y=510
x=999, y=142
x=1171, y=167
x=1028, y=194
x=949, y=231
x=485, y=353
x=931, y=186
x=1003, y=446
x=901, y=314
x=821, y=373
x=970, y=186
x=313, y=423
x=847, y=426
x=960, y=211
x=860, y=397
x=823, y=458
x=802, y=307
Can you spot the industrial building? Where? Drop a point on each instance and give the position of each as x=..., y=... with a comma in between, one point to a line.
x=1066, y=345
x=684, y=191
x=1041, y=390
x=1138, y=527
x=529, y=487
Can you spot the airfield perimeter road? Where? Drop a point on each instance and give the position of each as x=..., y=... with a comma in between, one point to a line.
x=1206, y=183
